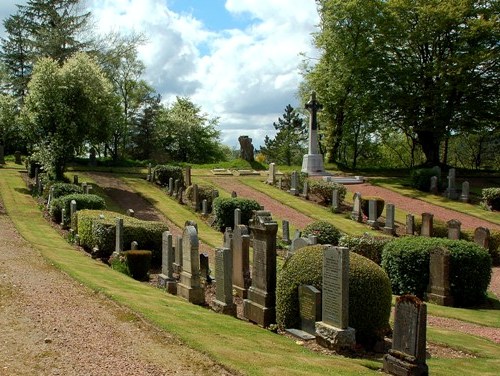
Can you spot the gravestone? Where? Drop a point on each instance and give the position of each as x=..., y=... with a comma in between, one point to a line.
x=390, y=211
x=312, y=162
x=312, y=239
x=271, y=179
x=177, y=184
x=228, y=238
x=451, y=191
x=179, y=195
x=309, y=308
x=410, y=224
x=119, y=235
x=237, y=217
x=260, y=306
x=178, y=257
x=223, y=302
x=134, y=246
x=294, y=183
x=454, y=229
x=131, y=212
x=196, y=198
x=189, y=286
x=17, y=158
x=234, y=194
x=75, y=179
x=465, y=195
x=205, y=269
x=84, y=187
x=166, y=279
x=333, y=330
x=438, y=291
x=51, y=197
x=297, y=243
x=204, y=207
x=434, y=185
x=286, y=232
x=246, y=148
x=2, y=154
x=149, y=176
x=171, y=186
x=240, y=247
x=356, y=214
x=305, y=190
x=427, y=225
x=335, y=201
x=187, y=176
x=372, y=214
x=280, y=183
x=72, y=214
x=407, y=356
x=482, y=237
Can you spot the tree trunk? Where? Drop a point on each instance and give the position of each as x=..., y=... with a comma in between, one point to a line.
x=430, y=143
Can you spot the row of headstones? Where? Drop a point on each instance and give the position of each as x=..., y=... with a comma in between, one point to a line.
x=451, y=190
x=17, y=156
x=187, y=175
x=390, y=210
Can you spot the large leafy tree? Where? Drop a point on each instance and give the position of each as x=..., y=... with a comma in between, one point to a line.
x=67, y=107
x=288, y=146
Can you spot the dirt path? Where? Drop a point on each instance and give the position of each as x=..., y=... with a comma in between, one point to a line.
x=51, y=325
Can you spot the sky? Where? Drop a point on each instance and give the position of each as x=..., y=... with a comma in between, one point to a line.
x=237, y=59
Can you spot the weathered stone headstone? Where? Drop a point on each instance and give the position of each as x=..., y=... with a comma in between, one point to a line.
x=335, y=201
x=234, y=194
x=119, y=235
x=280, y=183
x=390, y=211
x=51, y=197
x=482, y=237
x=2, y=154
x=309, y=308
x=223, y=302
x=237, y=217
x=294, y=183
x=427, y=228
x=166, y=278
x=434, y=185
x=89, y=189
x=17, y=157
x=438, y=291
x=271, y=179
x=131, y=212
x=228, y=238
x=286, y=232
x=410, y=224
x=312, y=163
x=178, y=257
x=356, y=214
x=204, y=207
x=451, y=191
x=312, y=239
x=75, y=179
x=196, y=198
x=372, y=214
x=246, y=148
x=297, y=234
x=465, y=195
x=305, y=190
x=170, y=186
x=297, y=243
x=189, y=286
x=454, y=229
x=179, y=195
x=187, y=176
x=72, y=214
x=84, y=186
x=333, y=330
x=177, y=184
x=260, y=306
x=240, y=247
x=134, y=246
x=407, y=356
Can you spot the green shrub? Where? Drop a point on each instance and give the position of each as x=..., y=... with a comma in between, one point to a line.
x=118, y=262
x=365, y=205
x=369, y=291
x=406, y=261
x=64, y=189
x=83, y=201
x=163, y=173
x=324, y=231
x=493, y=246
x=224, y=211
x=421, y=178
x=205, y=192
x=324, y=190
x=492, y=197
x=95, y=231
x=366, y=245
x=138, y=263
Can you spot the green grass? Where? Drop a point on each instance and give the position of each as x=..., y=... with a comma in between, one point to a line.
x=482, y=316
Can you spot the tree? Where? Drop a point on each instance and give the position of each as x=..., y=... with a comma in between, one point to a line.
x=288, y=145
x=67, y=107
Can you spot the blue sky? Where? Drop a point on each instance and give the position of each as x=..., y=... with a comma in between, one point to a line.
x=238, y=59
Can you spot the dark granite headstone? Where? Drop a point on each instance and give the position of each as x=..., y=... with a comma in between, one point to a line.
x=439, y=277
x=309, y=307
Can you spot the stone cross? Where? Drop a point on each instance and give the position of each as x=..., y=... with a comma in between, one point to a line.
x=313, y=106
x=356, y=214
x=286, y=231
x=223, y=302
x=465, y=196
x=189, y=286
x=454, y=229
x=438, y=291
x=410, y=224
x=427, y=225
x=240, y=247
x=390, y=211
x=119, y=235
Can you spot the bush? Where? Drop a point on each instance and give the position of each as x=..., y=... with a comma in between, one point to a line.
x=421, y=178
x=95, y=231
x=365, y=206
x=138, y=263
x=324, y=231
x=224, y=211
x=324, y=190
x=369, y=291
x=366, y=245
x=491, y=196
x=406, y=261
x=163, y=173
x=118, y=262
x=205, y=192
x=64, y=189
x=83, y=201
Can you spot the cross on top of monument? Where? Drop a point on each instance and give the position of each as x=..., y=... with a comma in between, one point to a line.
x=313, y=106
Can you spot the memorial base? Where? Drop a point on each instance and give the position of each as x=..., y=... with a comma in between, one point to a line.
x=312, y=164
x=189, y=289
x=226, y=309
x=372, y=224
x=335, y=338
x=389, y=230
x=254, y=312
x=400, y=364
x=241, y=292
x=168, y=284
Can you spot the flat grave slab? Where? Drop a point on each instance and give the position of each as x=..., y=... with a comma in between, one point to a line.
x=345, y=179
x=301, y=334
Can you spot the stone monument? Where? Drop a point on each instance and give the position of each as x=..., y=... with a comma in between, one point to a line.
x=240, y=247
x=189, y=286
x=312, y=163
x=438, y=291
x=223, y=302
x=166, y=278
x=246, y=148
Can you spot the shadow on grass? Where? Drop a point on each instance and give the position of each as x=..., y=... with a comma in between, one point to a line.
x=24, y=191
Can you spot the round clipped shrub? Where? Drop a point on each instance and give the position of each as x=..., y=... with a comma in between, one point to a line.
x=365, y=205
x=369, y=292
x=368, y=246
x=406, y=261
x=64, y=189
x=324, y=231
x=205, y=192
x=224, y=211
x=138, y=263
x=163, y=173
x=421, y=178
x=324, y=190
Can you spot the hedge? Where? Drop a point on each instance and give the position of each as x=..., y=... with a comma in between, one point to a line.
x=491, y=197
x=138, y=263
x=365, y=245
x=83, y=201
x=163, y=173
x=224, y=211
x=324, y=231
x=95, y=231
x=205, y=192
x=64, y=189
x=324, y=190
x=406, y=261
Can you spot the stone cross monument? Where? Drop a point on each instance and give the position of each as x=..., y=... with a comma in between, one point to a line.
x=312, y=162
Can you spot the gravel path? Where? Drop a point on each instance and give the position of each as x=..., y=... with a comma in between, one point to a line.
x=51, y=325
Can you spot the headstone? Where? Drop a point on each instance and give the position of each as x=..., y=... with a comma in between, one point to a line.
x=119, y=235
x=187, y=176
x=454, y=229
x=228, y=238
x=465, y=195
x=179, y=195
x=312, y=239
x=84, y=186
x=427, y=228
x=305, y=190
x=482, y=237
x=92, y=157
x=166, y=278
x=223, y=302
x=237, y=217
x=131, y=212
x=170, y=186
x=234, y=194
x=176, y=187
x=17, y=158
x=260, y=306
x=75, y=179
x=246, y=148
x=410, y=224
x=280, y=183
x=297, y=243
x=390, y=212
x=333, y=330
x=51, y=197
x=149, y=177
x=313, y=161
x=88, y=190
x=2, y=155
x=204, y=207
x=434, y=185
x=178, y=257
x=205, y=269
x=271, y=179
x=309, y=308
x=372, y=214
x=72, y=214
x=356, y=214
x=134, y=246
x=407, y=356
x=294, y=190
x=451, y=191
x=335, y=201
x=196, y=198
x=438, y=291
x=240, y=247
x=286, y=232
x=189, y=286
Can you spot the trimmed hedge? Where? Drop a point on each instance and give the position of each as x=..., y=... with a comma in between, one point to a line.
x=406, y=261
x=163, y=173
x=138, y=262
x=369, y=292
x=368, y=246
x=205, y=192
x=421, y=178
x=365, y=205
x=491, y=197
x=324, y=190
x=224, y=211
x=83, y=201
x=95, y=231
x=324, y=231
x=64, y=189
